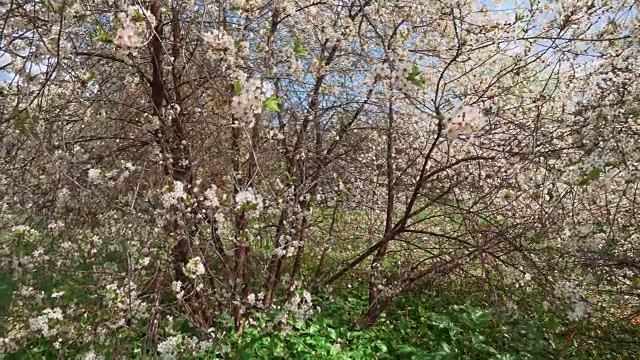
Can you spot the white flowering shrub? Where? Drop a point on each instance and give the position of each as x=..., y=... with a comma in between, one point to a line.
x=174, y=173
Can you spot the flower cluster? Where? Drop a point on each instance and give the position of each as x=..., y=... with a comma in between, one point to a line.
x=571, y=293
x=169, y=348
x=400, y=77
x=41, y=323
x=91, y=355
x=288, y=248
x=95, y=176
x=298, y=307
x=379, y=71
x=178, y=346
x=516, y=276
x=218, y=40
x=194, y=268
x=176, y=286
x=462, y=119
x=133, y=32
x=249, y=200
x=250, y=94
x=172, y=197
x=210, y=197
x=125, y=297
x=255, y=300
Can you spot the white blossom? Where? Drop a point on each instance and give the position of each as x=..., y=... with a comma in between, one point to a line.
x=169, y=348
x=174, y=196
x=218, y=40
x=95, y=176
x=211, y=199
x=194, y=268
x=249, y=198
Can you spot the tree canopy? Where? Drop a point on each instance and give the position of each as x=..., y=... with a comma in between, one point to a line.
x=213, y=160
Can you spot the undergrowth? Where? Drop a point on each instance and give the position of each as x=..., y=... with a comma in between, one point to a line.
x=416, y=326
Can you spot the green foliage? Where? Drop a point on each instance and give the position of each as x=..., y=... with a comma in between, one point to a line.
x=416, y=326
x=101, y=35
x=25, y=123
x=137, y=16
x=237, y=88
x=591, y=176
x=414, y=77
x=419, y=327
x=299, y=49
x=272, y=103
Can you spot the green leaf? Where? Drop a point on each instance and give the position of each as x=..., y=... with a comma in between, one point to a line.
x=138, y=16
x=383, y=348
x=25, y=123
x=592, y=175
x=272, y=103
x=90, y=75
x=298, y=49
x=101, y=35
x=406, y=349
x=413, y=76
x=313, y=329
x=237, y=87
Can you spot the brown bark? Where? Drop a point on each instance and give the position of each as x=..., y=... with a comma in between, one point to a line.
x=376, y=265
x=172, y=138
x=275, y=265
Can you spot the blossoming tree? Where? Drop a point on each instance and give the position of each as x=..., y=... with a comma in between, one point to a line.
x=194, y=161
